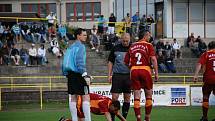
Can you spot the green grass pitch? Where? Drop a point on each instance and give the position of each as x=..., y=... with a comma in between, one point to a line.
x=53, y=111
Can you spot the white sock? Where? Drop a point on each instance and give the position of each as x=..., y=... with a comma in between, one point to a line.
x=73, y=109
x=86, y=110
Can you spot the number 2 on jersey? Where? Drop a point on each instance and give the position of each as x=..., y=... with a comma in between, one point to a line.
x=138, y=56
x=214, y=65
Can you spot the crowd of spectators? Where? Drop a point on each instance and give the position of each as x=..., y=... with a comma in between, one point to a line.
x=197, y=45
x=35, y=33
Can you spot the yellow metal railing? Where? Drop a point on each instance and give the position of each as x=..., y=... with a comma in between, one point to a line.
x=51, y=85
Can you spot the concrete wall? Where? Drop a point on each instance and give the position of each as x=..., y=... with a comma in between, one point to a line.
x=180, y=30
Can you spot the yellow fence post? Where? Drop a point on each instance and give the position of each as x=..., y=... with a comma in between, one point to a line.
x=50, y=83
x=0, y=100
x=184, y=79
x=41, y=98
x=11, y=83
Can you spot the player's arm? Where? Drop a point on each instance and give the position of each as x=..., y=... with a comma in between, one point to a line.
x=108, y=116
x=198, y=68
x=111, y=60
x=110, y=68
x=119, y=115
x=155, y=65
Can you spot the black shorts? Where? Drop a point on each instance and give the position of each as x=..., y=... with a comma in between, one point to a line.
x=208, y=88
x=100, y=29
x=50, y=24
x=77, y=84
x=121, y=83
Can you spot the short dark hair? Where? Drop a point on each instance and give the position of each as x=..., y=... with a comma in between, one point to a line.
x=142, y=34
x=211, y=45
x=116, y=104
x=78, y=32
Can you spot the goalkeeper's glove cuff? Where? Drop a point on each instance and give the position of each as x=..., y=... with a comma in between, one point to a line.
x=84, y=74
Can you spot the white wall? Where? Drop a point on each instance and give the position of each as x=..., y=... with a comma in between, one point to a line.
x=180, y=30
x=210, y=30
x=197, y=29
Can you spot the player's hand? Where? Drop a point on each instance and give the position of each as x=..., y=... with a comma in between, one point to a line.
x=156, y=77
x=110, y=79
x=88, y=79
x=195, y=79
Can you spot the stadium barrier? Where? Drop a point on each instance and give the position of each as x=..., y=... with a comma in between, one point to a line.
x=120, y=27
x=22, y=18
x=40, y=86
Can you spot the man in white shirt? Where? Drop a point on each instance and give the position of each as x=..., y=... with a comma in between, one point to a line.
x=33, y=54
x=42, y=55
x=51, y=19
x=176, y=49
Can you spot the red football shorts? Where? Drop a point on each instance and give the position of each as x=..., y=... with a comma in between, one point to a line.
x=141, y=78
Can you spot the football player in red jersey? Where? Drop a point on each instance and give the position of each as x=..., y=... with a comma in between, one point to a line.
x=206, y=61
x=138, y=59
x=101, y=105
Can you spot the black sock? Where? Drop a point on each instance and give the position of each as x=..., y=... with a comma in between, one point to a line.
x=125, y=109
x=112, y=116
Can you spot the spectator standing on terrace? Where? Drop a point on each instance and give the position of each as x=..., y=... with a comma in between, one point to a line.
x=135, y=22
x=143, y=23
x=128, y=23
x=51, y=19
x=15, y=55
x=74, y=68
x=94, y=40
x=207, y=62
x=101, y=25
x=111, y=25
x=119, y=73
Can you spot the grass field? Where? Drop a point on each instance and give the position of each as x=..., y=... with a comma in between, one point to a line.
x=53, y=111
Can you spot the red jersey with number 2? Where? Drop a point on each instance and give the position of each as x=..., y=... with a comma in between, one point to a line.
x=139, y=54
x=207, y=60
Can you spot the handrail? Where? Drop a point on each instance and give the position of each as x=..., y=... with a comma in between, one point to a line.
x=51, y=85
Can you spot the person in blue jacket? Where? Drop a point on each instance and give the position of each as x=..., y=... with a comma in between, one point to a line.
x=74, y=68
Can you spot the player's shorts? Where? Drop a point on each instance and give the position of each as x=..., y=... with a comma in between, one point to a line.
x=141, y=78
x=208, y=88
x=121, y=83
x=77, y=84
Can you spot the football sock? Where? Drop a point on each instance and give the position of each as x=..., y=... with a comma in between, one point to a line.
x=125, y=108
x=205, y=107
x=148, y=106
x=137, y=109
x=73, y=110
x=112, y=116
x=86, y=110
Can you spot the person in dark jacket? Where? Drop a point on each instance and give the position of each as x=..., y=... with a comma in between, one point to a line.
x=111, y=25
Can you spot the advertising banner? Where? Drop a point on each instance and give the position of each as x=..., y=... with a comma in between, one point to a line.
x=196, y=97
x=163, y=95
